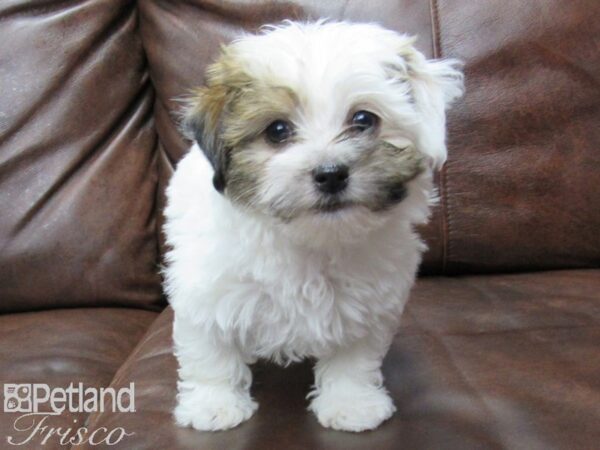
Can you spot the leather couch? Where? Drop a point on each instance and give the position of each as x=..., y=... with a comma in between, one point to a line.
x=500, y=344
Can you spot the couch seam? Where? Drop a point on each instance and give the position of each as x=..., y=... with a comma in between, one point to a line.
x=92, y=418
x=90, y=415
x=158, y=149
x=442, y=181
x=160, y=145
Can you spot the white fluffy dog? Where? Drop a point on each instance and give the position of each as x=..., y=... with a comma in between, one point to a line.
x=291, y=218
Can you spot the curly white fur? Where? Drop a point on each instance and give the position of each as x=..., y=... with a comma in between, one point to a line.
x=331, y=286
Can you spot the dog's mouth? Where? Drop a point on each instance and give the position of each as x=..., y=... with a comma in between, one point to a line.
x=333, y=205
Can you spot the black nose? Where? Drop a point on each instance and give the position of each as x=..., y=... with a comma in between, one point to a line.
x=331, y=178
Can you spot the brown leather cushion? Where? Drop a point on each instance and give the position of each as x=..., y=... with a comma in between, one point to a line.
x=60, y=347
x=518, y=189
x=522, y=180
x=507, y=361
x=77, y=157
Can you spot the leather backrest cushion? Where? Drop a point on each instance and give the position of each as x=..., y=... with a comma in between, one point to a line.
x=519, y=191
x=522, y=185
x=78, y=171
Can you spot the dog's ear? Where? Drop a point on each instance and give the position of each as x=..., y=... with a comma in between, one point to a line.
x=205, y=115
x=435, y=84
x=203, y=121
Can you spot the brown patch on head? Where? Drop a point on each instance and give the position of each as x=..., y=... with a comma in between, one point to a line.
x=245, y=172
x=258, y=105
x=207, y=107
x=391, y=168
x=229, y=112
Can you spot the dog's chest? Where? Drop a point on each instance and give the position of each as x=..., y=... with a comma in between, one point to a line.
x=308, y=307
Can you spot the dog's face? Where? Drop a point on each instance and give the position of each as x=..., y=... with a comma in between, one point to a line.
x=312, y=119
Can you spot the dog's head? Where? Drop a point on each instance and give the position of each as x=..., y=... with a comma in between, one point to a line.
x=312, y=119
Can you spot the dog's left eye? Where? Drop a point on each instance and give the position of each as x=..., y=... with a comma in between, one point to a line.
x=279, y=131
x=363, y=120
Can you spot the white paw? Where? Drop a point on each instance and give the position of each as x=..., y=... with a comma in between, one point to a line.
x=212, y=408
x=352, y=407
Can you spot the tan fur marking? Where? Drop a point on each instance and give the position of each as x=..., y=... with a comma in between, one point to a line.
x=232, y=110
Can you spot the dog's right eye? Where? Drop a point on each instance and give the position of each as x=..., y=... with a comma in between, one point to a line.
x=279, y=131
x=363, y=120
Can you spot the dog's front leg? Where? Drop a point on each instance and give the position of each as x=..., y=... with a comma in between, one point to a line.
x=214, y=382
x=348, y=393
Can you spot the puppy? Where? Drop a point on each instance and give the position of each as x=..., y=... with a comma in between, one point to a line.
x=290, y=220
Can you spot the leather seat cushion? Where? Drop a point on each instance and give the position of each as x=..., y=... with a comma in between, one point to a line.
x=504, y=361
x=59, y=347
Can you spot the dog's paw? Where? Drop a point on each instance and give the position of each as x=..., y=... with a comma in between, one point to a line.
x=212, y=408
x=352, y=407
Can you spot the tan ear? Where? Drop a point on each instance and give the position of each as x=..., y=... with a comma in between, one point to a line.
x=202, y=122
x=208, y=107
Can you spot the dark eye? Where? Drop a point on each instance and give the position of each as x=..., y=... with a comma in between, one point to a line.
x=363, y=120
x=279, y=131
